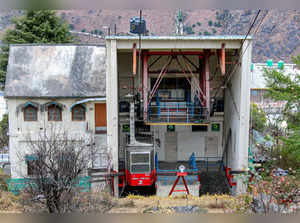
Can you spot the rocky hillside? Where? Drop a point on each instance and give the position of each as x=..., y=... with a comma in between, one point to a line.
x=278, y=37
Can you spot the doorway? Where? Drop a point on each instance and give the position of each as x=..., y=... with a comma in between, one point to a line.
x=100, y=118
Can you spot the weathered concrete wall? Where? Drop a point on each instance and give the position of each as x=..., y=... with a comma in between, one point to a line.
x=55, y=71
x=20, y=130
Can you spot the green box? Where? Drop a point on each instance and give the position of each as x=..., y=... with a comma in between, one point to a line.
x=215, y=127
x=170, y=128
x=126, y=128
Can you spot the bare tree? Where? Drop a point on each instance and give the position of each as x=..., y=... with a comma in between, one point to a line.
x=57, y=161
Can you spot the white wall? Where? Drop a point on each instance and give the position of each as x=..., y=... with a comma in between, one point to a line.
x=188, y=141
x=3, y=108
x=20, y=130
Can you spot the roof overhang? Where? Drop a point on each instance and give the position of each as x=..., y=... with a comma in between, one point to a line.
x=178, y=42
x=86, y=101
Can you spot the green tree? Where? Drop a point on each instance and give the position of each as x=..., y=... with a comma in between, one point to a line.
x=286, y=87
x=258, y=119
x=42, y=26
x=4, y=132
x=210, y=23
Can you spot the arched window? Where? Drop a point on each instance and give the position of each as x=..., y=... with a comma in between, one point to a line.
x=30, y=113
x=54, y=113
x=78, y=113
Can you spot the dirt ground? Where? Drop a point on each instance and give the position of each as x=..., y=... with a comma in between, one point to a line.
x=154, y=204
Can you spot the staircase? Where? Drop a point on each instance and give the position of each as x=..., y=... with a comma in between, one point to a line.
x=213, y=182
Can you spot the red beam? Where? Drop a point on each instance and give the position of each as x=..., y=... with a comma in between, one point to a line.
x=174, y=53
x=134, y=59
x=223, y=65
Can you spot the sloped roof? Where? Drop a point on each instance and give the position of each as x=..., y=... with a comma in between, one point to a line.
x=56, y=71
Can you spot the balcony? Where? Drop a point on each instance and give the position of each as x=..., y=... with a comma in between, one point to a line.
x=180, y=113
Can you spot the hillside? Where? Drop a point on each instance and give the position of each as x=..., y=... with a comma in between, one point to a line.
x=278, y=38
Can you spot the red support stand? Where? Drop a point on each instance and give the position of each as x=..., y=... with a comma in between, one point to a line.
x=182, y=175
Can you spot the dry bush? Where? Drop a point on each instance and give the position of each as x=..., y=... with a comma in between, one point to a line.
x=80, y=202
x=90, y=202
x=9, y=202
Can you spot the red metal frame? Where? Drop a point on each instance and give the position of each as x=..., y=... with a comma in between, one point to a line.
x=173, y=53
x=134, y=52
x=221, y=57
x=182, y=175
x=140, y=179
x=229, y=176
x=203, y=88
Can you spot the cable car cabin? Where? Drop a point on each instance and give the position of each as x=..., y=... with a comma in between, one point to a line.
x=140, y=169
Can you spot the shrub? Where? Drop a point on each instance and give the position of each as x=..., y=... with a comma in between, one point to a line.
x=9, y=202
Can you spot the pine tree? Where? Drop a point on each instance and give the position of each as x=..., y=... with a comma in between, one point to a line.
x=42, y=26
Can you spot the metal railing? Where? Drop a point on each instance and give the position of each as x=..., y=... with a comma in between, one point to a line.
x=182, y=113
x=208, y=161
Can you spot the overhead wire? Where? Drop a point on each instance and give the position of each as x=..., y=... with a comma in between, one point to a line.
x=224, y=85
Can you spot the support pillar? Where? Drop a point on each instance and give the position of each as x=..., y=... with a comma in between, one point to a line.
x=112, y=108
x=242, y=97
x=207, y=74
x=145, y=86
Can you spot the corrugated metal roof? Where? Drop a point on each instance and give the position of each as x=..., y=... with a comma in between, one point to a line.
x=56, y=71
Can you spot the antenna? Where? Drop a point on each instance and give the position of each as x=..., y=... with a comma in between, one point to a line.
x=179, y=23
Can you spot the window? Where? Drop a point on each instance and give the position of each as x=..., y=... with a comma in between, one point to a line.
x=54, y=113
x=30, y=113
x=78, y=113
x=31, y=161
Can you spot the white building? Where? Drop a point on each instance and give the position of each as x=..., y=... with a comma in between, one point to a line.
x=3, y=109
x=167, y=101
x=54, y=86
x=187, y=101
x=259, y=88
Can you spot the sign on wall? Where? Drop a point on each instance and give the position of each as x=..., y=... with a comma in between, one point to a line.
x=215, y=127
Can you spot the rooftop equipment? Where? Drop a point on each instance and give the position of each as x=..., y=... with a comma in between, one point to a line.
x=137, y=25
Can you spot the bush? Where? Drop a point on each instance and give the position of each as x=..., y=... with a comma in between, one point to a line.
x=9, y=202
x=189, y=30
x=199, y=23
x=3, y=181
x=71, y=26
x=81, y=202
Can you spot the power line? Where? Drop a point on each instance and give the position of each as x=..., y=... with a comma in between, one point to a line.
x=242, y=54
